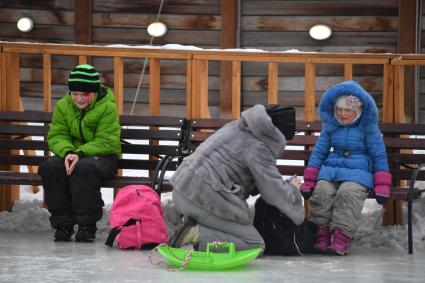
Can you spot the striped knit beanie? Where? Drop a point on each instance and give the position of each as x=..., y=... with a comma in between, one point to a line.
x=84, y=78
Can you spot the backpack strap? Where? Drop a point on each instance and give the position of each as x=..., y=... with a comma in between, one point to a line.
x=138, y=235
x=116, y=230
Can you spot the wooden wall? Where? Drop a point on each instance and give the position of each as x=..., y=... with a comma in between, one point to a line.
x=359, y=26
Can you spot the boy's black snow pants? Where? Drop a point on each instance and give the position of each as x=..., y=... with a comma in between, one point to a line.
x=76, y=199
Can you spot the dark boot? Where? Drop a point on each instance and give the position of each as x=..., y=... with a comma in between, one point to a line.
x=187, y=233
x=86, y=234
x=64, y=233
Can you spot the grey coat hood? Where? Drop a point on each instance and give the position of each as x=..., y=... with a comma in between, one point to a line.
x=261, y=126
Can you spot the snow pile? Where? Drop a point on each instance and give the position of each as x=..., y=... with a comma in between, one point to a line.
x=28, y=215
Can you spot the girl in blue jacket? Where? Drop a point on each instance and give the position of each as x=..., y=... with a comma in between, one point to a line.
x=348, y=161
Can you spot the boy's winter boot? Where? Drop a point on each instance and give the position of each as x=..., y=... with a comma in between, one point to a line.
x=322, y=239
x=86, y=234
x=341, y=243
x=64, y=233
x=187, y=233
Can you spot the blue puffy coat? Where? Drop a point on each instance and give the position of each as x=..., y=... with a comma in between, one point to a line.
x=361, y=141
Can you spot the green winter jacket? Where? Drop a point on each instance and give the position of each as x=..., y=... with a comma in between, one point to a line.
x=94, y=131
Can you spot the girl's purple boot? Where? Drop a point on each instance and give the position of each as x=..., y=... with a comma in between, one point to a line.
x=322, y=239
x=341, y=243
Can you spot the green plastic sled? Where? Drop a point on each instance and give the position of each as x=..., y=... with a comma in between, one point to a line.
x=208, y=260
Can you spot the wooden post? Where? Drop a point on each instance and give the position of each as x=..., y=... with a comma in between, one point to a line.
x=348, y=72
x=399, y=94
x=200, y=89
x=83, y=59
x=236, y=89
x=309, y=101
x=388, y=94
x=11, y=102
x=2, y=80
x=119, y=83
x=154, y=87
x=83, y=20
x=47, y=82
x=408, y=42
x=310, y=92
x=119, y=94
x=189, y=92
x=229, y=39
x=273, y=80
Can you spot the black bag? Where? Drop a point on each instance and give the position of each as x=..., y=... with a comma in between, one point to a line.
x=280, y=234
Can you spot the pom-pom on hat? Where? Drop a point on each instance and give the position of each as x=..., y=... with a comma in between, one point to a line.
x=84, y=78
x=349, y=102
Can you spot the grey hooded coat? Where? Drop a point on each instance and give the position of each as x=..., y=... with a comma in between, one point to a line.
x=233, y=163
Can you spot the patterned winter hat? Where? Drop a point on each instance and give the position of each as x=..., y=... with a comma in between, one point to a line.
x=349, y=102
x=84, y=78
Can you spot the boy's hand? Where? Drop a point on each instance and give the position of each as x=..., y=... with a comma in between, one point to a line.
x=70, y=161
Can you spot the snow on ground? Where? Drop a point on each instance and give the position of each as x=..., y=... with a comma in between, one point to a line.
x=28, y=215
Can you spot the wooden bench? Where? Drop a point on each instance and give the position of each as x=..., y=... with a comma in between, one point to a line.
x=144, y=140
x=405, y=144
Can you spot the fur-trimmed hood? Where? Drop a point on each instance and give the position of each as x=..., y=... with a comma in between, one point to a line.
x=367, y=121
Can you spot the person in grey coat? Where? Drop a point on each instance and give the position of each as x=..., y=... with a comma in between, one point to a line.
x=211, y=185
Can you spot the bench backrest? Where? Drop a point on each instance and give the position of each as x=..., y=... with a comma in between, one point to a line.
x=144, y=139
x=405, y=144
x=147, y=137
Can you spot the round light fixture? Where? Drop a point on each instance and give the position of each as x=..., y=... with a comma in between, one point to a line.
x=320, y=32
x=25, y=24
x=157, y=29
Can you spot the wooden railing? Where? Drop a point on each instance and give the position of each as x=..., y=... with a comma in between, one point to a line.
x=197, y=74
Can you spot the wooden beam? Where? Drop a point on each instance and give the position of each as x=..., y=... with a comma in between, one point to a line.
x=2, y=81
x=82, y=59
x=348, y=72
x=236, y=89
x=310, y=92
x=83, y=21
x=11, y=91
x=200, y=89
x=189, y=89
x=399, y=95
x=388, y=94
x=12, y=82
x=47, y=82
x=119, y=83
x=229, y=39
x=154, y=87
x=273, y=80
x=408, y=41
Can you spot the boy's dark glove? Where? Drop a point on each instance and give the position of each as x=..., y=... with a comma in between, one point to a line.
x=382, y=186
x=310, y=180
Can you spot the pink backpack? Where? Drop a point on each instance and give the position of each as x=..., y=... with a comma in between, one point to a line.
x=136, y=218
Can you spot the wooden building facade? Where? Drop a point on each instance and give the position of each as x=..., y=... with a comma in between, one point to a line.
x=374, y=26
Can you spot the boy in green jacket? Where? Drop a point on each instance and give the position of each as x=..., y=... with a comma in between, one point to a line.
x=85, y=139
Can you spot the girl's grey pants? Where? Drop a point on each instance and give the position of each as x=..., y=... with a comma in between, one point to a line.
x=338, y=205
